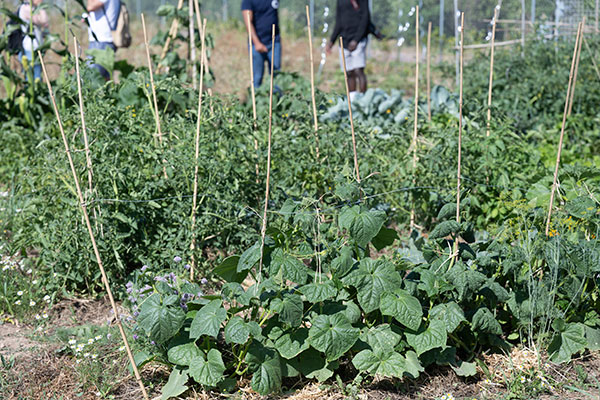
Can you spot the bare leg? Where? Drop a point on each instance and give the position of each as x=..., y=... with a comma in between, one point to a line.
x=352, y=80
x=362, y=80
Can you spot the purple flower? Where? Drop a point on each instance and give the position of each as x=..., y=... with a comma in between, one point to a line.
x=129, y=290
x=144, y=267
x=177, y=259
x=135, y=337
x=204, y=281
x=136, y=313
x=173, y=276
x=152, y=342
x=108, y=336
x=159, y=278
x=129, y=284
x=187, y=266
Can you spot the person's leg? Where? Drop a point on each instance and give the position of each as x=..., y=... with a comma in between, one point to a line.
x=277, y=55
x=258, y=66
x=361, y=79
x=352, y=81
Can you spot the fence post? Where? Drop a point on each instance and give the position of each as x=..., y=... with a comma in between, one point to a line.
x=533, y=11
x=225, y=10
x=457, y=60
x=442, y=3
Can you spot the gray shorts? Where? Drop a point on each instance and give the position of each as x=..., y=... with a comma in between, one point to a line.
x=355, y=59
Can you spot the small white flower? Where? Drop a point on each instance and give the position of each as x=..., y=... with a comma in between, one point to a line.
x=31, y=303
x=94, y=356
x=44, y=315
x=86, y=355
x=29, y=271
x=72, y=342
x=523, y=380
x=90, y=341
x=77, y=361
x=38, y=317
x=18, y=302
x=54, y=275
x=122, y=348
x=98, y=337
x=20, y=293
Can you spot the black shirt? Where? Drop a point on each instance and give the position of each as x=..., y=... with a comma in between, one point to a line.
x=265, y=15
x=351, y=24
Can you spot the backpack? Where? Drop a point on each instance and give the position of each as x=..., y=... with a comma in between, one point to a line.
x=120, y=32
x=16, y=35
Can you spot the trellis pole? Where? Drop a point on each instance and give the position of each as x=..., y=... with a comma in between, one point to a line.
x=197, y=152
x=155, y=102
x=356, y=170
x=252, y=91
x=312, y=82
x=429, y=71
x=88, y=224
x=456, y=54
x=263, y=230
x=172, y=32
x=192, y=37
x=460, y=116
x=416, y=119
x=581, y=39
x=562, y=129
x=491, y=81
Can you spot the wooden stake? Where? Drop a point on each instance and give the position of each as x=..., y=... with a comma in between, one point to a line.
x=172, y=33
x=491, y=81
x=156, y=116
x=562, y=130
x=252, y=91
x=83, y=205
x=263, y=230
x=312, y=84
x=350, y=111
x=429, y=72
x=416, y=117
x=197, y=154
x=576, y=66
x=192, y=38
x=460, y=115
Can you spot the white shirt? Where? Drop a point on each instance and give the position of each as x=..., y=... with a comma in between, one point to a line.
x=99, y=21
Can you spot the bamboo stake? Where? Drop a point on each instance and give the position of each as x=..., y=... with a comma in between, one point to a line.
x=263, y=230
x=83, y=205
x=88, y=158
x=197, y=154
x=429, y=72
x=172, y=32
x=562, y=130
x=491, y=82
x=199, y=21
x=460, y=116
x=577, y=66
x=416, y=118
x=156, y=116
x=350, y=111
x=252, y=91
x=312, y=84
x=192, y=38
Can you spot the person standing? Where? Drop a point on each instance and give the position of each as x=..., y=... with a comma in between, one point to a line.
x=353, y=24
x=261, y=16
x=102, y=20
x=36, y=19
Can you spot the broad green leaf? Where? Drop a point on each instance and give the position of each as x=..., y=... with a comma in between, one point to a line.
x=384, y=238
x=568, y=342
x=465, y=369
x=313, y=366
x=405, y=308
x=160, y=321
x=484, y=321
x=450, y=313
x=249, y=258
x=208, y=372
x=290, y=309
x=317, y=292
x=342, y=264
x=236, y=331
x=434, y=336
x=413, y=365
x=228, y=270
x=183, y=354
x=444, y=229
x=592, y=337
x=371, y=279
x=447, y=211
x=208, y=320
x=332, y=335
x=290, y=343
x=176, y=384
x=386, y=363
x=285, y=267
x=381, y=337
x=362, y=226
x=265, y=365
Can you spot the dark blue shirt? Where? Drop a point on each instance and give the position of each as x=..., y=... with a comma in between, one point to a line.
x=265, y=15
